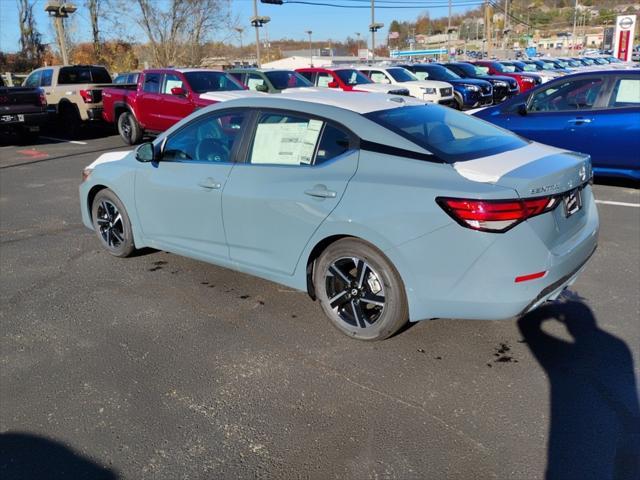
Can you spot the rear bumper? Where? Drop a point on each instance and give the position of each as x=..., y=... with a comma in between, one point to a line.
x=94, y=114
x=26, y=119
x=456, y=272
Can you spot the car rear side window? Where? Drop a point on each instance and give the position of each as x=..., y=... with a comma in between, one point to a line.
x=208, y=139
x=450, y=135
x=324, y=79
x=152, y=83
x=253, y=80
x=333, y=142
x=47, y=76
x=626, y=93
x=33, y=80
x=76, y=75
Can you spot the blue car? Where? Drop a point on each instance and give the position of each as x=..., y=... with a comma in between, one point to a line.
x=468, y=93
x=384, y=209
x=503, y=85
x=597, y=113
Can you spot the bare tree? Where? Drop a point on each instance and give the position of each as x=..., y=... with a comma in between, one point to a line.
x=30, y=39
x=177, y=33
x=94, y=7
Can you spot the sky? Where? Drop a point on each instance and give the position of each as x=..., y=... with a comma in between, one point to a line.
x=287, y=21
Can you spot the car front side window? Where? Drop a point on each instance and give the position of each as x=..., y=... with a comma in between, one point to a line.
x=324, y=79
x=379, y=77
x=33, y=80
x=171, y=81
x=152, y=83
x=253, y=80
x=283, y=139
x=207, y=139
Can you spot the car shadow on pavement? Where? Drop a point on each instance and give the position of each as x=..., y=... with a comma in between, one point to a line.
x=25, y=456
x=594, y=428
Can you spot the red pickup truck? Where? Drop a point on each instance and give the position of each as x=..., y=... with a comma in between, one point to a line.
x=161, y=98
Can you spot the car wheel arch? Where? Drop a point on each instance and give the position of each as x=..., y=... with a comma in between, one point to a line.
x=92, y=195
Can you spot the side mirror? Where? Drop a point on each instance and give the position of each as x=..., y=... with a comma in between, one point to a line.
x=333, y=84
x=522, y=109
x=179, y=91
x=145, y=153
x=386, y=81
x=261, y=87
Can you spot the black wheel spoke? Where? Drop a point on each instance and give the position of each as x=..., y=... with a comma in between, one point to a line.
x=373, y=299
x=358, y=314
x=340, y=299
x=337, y=272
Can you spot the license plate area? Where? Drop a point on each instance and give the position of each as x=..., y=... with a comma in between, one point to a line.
x=572, y=202
x=12, y=118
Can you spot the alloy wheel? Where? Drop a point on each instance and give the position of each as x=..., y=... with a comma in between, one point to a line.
x=355, y=292
x=110, y=224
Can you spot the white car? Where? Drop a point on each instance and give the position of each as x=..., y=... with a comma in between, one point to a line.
x=427, y=90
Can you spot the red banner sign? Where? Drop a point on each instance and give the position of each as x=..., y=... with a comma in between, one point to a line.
x=623, y=42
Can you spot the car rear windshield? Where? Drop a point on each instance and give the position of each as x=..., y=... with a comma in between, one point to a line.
x=201, y=82
x=73, y=75
x=401, y=75
x=285, y=79
x=436, y=72
x=450, y=135
x=352, y=77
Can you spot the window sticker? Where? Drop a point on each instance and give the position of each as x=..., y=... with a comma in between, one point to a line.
x=286, y=143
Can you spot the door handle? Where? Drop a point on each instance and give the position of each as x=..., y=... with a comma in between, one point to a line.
x=210, y=184
x=320, y=191
x=579, y=121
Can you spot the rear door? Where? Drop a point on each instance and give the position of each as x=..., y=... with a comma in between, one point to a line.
x=149, y=102
x=563, y=114
x=295, y=170
x=178, y=199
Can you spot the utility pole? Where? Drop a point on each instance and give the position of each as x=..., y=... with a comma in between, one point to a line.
x=357, y=42
x=449, y=33
x=59, y=11
x=505, y=33
x=575, y=18
x=240, y=31
x=487, y=27
x=309, y=32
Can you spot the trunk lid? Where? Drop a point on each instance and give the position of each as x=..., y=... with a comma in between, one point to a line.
x=535, y=170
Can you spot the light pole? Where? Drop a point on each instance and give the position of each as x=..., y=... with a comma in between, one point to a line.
x=257, y=22
x=309, y=32
x=59, y=11
x=240, y=31
x=573, y=35
x=449, y=33
x=357, y=44
x=373, y=28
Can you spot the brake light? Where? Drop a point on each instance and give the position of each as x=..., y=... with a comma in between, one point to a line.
x=87, y=96
x=42, y=99
x=495, y=215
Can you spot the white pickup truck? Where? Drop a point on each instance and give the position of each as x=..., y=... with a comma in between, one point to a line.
x=427, y=90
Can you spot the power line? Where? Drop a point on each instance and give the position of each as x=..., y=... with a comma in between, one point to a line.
x=468, y=3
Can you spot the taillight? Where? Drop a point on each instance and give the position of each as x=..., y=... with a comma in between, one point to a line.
x=87, y=96
x=42, y=98
x=495, y=215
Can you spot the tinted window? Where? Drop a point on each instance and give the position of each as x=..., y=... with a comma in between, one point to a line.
x=352, y=77
x=626, y=93
x=47, y=76
x=171, y=80
x=437, y=72
x=285, y=140
x=378, y=77
x=208, y=139
x=308, y=75
x=75, y=75
x=401, y=75
x=152, y=82
x=211, y=82
x=120, y=79
x=451, y=135
x=333, y=142
x=284, y=79
x=578, y=94
x=33, y=80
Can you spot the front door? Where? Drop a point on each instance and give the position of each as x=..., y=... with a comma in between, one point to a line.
x=295, y=173
x=178, y=199
x=174, y=107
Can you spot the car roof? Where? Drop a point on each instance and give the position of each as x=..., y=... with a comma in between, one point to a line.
x=361, y=104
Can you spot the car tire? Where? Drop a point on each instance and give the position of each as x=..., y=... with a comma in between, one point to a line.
x=129, y=128
x=360, y=290
x=458, y=104
x=70, y=120
x=111, y=223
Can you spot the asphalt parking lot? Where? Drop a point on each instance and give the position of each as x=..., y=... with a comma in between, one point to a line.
x=161, y=367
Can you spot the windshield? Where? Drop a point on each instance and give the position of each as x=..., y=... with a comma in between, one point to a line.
x=287, y=79
x=211, y=82
x=548, y=66
x=529, y=67
x=481, y=71
x=504, y=68
x=437, y=73
x=401, y=75
x=601, y=61
x=450, y=135
x=352, y=77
